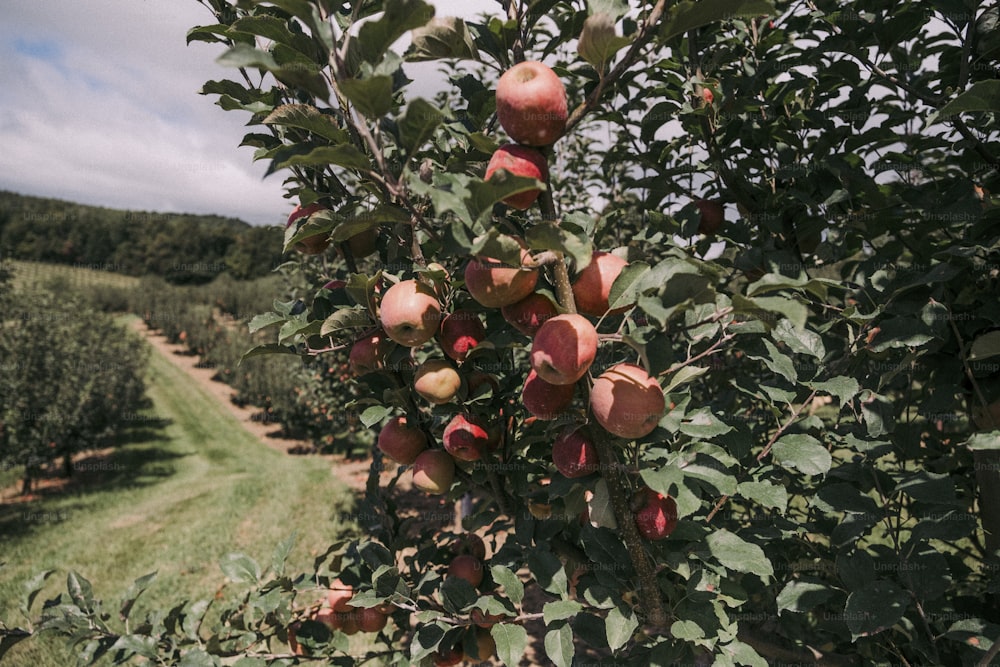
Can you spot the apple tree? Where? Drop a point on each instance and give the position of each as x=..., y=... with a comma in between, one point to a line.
x=710, y=356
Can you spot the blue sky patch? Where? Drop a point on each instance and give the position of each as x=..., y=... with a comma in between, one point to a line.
x=42, y=49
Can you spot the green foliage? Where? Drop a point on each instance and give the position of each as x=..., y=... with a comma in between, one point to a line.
x=826, y=355
x=183, y=249
x=100, y=383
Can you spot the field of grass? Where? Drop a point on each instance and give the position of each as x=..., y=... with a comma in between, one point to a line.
x=186, y=485
x=28, y=274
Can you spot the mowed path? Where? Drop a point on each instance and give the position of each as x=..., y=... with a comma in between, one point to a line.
x=190, y=484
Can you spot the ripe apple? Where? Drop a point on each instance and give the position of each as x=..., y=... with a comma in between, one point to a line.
x=327, y=617
x=468, y=567
x=410, y=313
x=564, y=348
x=348, y=621
x=712, y=216
x=485, y=647
x=707, y=95
x=520, y=161
x=574, y=453
x=401, y=442
x=368, y=353
x=626, y=401
x=433, y=471
x=363, y=243
x=657, y=515
x=528, y=314
x=531, y=104
x=448, y=657
x=339, y=596
x=545, y=400
x=495, y=284
x=484, y=620
x=469, y=437
x=437, y=381
x=469, y=543
x=593, y=284
x=311, y=245
x=461, y=331
x=371, y=619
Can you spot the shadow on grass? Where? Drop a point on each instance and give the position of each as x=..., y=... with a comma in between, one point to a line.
x=132, y=461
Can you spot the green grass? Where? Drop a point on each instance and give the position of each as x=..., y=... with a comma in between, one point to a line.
x=41, y=273
x=187, y=485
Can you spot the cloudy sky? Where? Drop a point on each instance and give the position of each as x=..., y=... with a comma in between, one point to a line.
x=100, y=105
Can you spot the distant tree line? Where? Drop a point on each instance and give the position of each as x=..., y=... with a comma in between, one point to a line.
x=181, y=248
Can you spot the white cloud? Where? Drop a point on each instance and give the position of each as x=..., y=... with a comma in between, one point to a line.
x=101, y=106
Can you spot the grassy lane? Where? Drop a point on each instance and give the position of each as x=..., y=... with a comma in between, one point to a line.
x=187, y=485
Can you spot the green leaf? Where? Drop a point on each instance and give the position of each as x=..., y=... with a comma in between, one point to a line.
x=309, y=118
x=136, y=645
x=599, y=42
x=374, y=414
x=263, y=350
x=984, y=441
x=803, y=453
x=548, y=571
x=265, y=320
x=620, y=628
x=683, y=376
x=982, y=96
x=346, y=319
x=801, y=596
x=778, y=362
x=281, y=552
x=799, y=340
x=240, y=568
x=274, y=29
x=306, y=155
x=511, y=641
x=80, y=590
x=133, y=593
x=512, y=585
x=688, y=15
x=844, y=388
x=560, y=610
x=559, y=645
x=624, y=291
x=735, y=553
x=418, y=123
x=764, y=493
x=547, y=236
x=743, y=654
x=875, y=608
x=399, y=17
x=986, y=346
x=196, y=657
x=32, y=587
x=371, y=96
x=447, y=37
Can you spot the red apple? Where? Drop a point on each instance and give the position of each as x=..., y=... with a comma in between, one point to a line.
x=626, y=401
x=348, y=621
x=593, y=284
x=657, y=515
x=437, y=381
x=469, y=437
x=363, y=243
x=531, y=104
x=707, y=95
x=311, y=245
x=371, y=619
x=544, y=400
x=486, y=647
x=574, y=453
x=401, y=442
x=469, y=543
x=433, y=471
x=461, y=331
x=528, y=314
x=519, y=161
x=448, y=657
x=339, y=596
x=410, y=313
x=713, y=215
x=467, y=567
x=368, y=353
x=495, y=284
x=564, y=348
